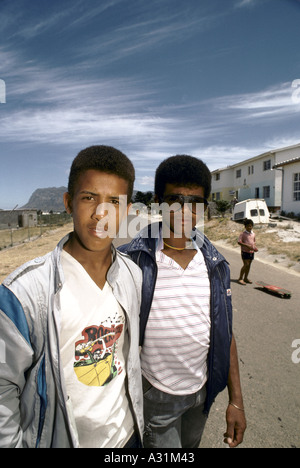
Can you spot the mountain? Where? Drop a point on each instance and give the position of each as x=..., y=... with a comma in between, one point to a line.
x=47, y=199
x=50, y=199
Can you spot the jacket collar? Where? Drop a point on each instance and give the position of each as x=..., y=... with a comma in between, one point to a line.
x=59, y=279
x=148, y=238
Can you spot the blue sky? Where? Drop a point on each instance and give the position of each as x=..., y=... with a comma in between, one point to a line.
x=154, y=78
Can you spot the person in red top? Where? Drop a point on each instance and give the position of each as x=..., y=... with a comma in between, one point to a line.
x=248, y=247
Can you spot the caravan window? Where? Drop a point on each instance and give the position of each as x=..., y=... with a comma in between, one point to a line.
x=239, y=215
x=262, y=212
x=253, y=212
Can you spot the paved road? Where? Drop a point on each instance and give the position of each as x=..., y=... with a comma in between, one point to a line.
x=265, y=327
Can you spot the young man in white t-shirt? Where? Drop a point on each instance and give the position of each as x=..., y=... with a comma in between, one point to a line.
x=188, y=350
x=70, y=325
x=95, y=327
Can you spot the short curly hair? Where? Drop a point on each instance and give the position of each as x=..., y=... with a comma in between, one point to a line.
x=105, y=159
x=182, y=170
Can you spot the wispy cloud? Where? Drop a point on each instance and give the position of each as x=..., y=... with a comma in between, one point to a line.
x=146, y=181
x=143, y=36
x=74, y=14
x=59, y=109
x=151, y=24
x=245, y=3
x=69, y=106
x=274, y=102
x=249, y=4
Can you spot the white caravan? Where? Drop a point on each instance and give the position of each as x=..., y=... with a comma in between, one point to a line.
x=255, y=209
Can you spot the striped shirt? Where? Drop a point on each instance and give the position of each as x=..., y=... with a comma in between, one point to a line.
x=177, y=337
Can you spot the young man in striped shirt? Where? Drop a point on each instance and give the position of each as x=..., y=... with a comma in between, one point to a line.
x=188, y=351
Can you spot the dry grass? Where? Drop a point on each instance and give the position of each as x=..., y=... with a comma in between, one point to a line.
x=18, y=236
x=12, y=258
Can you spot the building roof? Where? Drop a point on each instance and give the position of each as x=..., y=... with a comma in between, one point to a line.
x=288, y=161
x=263, y=155
x=25, y=210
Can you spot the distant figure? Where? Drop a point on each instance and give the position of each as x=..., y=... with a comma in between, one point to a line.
x=234, y=201
x=248, y=247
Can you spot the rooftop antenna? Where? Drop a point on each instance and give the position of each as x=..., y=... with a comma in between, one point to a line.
x=13, y=209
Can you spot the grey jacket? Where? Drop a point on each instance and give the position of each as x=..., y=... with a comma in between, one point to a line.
x=34, y=407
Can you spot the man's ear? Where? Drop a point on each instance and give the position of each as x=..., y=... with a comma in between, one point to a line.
x=68, y=203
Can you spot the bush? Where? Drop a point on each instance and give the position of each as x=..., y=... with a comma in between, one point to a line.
x=222, y=206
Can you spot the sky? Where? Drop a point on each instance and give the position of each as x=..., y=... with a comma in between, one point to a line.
x=216, y=79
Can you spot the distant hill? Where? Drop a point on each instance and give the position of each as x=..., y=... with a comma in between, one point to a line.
x=47, y=199
x=50, y=199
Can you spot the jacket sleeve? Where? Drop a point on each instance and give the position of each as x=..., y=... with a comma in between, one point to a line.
x=16, y=357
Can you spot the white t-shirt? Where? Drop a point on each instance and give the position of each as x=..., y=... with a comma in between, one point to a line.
x=94, y=348
x=177, y=337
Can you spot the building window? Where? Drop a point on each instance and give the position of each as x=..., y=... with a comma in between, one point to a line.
x=257, y=192
x=218, y=176
x=250, y=170
x=266, y=192
x=267, y=165
x=297, y=187
x=239, y=173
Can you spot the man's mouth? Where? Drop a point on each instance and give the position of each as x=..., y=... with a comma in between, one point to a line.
x=101, y=232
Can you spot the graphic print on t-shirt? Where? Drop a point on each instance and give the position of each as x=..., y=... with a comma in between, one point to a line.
x=96, y=361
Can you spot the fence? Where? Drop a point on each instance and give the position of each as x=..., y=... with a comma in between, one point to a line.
x=15, y=236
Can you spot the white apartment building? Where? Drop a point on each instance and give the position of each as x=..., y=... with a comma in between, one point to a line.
x=290, y=185
x=254, y=178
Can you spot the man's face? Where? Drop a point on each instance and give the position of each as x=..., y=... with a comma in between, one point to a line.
x=181, y=222
x=98, y=207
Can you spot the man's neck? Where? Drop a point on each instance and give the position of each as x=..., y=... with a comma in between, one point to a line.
x=96, y=264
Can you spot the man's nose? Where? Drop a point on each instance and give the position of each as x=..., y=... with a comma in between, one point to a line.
x=101, y=211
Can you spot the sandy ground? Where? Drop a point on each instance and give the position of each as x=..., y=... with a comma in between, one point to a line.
x=12, y=258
